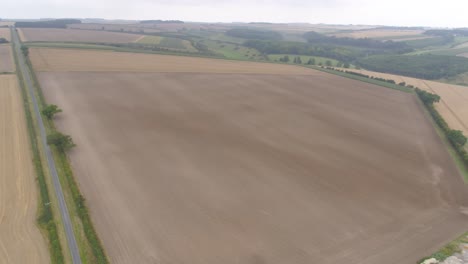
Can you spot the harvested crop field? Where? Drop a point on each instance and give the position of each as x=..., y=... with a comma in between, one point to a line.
x=463, y=55
x=75, y=35
x=256, y=168
x=380, y=33
x=20, y=239
x=45, y=59
x=453, y=105
x=6, y=59
x=5, y=33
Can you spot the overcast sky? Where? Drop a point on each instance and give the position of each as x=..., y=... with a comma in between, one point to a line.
x=438, y=13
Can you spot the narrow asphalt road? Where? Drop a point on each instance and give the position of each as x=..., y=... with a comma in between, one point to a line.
x=75, y=254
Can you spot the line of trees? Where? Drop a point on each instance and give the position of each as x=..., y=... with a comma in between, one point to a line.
x=455, y=137
x=248, y=33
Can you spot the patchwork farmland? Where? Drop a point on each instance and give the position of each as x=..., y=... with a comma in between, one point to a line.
x=191, y=160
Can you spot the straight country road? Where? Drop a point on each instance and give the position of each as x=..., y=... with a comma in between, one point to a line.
x=24, y=71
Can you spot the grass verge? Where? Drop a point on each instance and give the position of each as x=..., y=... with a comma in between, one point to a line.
x=91, y=249
x=448, y=250
x=46, y=219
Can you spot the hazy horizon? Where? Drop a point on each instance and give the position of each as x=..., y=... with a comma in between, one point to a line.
x=448, y=13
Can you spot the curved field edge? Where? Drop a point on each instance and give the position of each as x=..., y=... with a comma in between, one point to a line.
x=91, y=249
x=46, y=219
x=448, y=250
x=454, y=246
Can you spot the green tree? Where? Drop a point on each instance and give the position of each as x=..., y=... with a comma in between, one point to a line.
x=311, y=61
x=61, y=141
x=50, y=110
x=25, y=50
x=427, y=98
x=285, y=58
x=346, y=65
x=456, y=137
x=339, y=64
x=328, y=63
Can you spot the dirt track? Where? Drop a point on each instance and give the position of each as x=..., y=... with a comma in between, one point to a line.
x=6, y=59
x=454, y=98
x=234, y=168
x=20, y=239
x=75, y=35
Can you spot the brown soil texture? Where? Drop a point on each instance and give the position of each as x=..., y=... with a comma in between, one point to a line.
x=20, y=239
x=45, y=59
x=257, y=169
x=453, y=105
x=6, y=59
x=75, y=35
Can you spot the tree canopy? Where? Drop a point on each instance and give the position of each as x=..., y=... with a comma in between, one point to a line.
x=61, y=141
x=50, y=110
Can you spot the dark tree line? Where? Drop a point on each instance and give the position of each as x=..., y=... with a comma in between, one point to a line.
x=161, y=22
x=248, y=33
x=421, y=66
x=397, y=47
x=57, y=23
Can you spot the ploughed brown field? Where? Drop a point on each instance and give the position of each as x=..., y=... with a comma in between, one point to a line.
x=75, y=35
x=6, y=59
x=453, y=105
x=300, y=168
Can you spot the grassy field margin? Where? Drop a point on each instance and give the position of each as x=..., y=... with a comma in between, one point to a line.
x=46, y=218
x=91, y=249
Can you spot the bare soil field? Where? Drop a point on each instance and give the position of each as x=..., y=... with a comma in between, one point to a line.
x=454, y=98
x=5, y=33
x=379, y=33
x=45, y=59
x=202, y=168
x=6, y=59
x=73, y=35
x=20, y=239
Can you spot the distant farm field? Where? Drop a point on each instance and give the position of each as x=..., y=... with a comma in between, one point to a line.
x=75, y=35
x=201, y=161
x=20, y=239
x=46, y=59
x=454, y=98
x=6, y=59
x=5, y=33
x=381, y=33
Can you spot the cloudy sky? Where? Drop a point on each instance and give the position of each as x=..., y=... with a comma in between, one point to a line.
x=446, y=13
